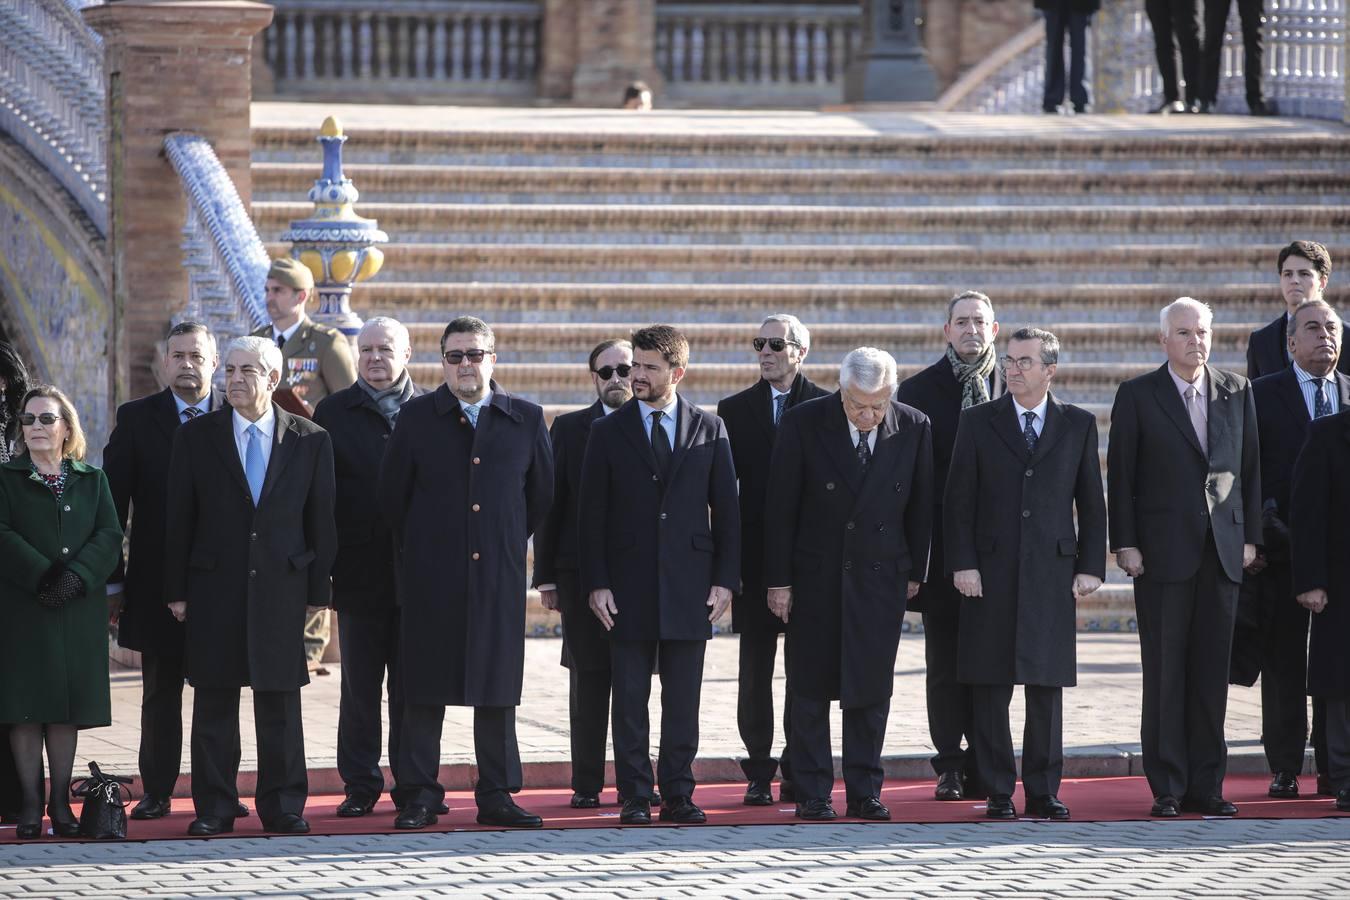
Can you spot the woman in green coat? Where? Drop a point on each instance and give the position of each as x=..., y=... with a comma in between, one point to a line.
x=59, y=542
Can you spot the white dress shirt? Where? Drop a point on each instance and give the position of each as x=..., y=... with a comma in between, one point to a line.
x=853, y=438
x=267, y=425
x=289, y=332
x=202, y=406
x=1038, y=422
x=670, y=410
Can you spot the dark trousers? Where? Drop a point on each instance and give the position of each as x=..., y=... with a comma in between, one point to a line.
x=1338, y=742
x=11, y=792
x=369, y=644
x=951, y=715
x=161, y=752
x=813, y=762
x=494, y=745
x=1176, y=26
x=1253, y=50
x=1185, y=636
x=588, y=714
x=681, y=686
x=283, y=784
x=754, y=707
x=1058, y=25
x=1042, y=739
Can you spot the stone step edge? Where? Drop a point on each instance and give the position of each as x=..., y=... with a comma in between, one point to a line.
x=1091, y=761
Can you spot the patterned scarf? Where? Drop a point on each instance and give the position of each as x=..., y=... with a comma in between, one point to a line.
x=390, y=400
x=973, y=377
x=4, y=433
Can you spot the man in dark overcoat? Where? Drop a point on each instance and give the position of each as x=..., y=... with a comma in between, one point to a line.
x=136, y=462
x=249, y=545
x=557, y=573
x=1184, y=498
x=360, y=420
x=850, y=518
x=1272, y=627
x=1304, y=268
x=964, y=376
x=466, y=480
x=1319, y=535
x=659, y=539
x=752, y=418
x=1027, y=463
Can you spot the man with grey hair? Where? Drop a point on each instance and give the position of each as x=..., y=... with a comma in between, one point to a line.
x=1184, y=491
x=965, y=376
x=360, y=420
x=247, y=551
x=848, y=526
x=1020, y=559
x=752, y=418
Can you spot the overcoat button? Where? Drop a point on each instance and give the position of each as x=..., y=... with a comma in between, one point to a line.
x=1026, y=514
x=848, y=564
x=475, y=556
x=1029, y=473
x=829, y=485
x=252, y=573
x=876, y=567
x=898, y=486
x=849, y=526
x=65, y=550
x=656, y=478
x=463, y=421
x=663, y=517
x=881, y=526
x=476, y=460
x=67, y=509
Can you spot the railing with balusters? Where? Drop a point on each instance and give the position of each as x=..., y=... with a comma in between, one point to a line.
x=404, y=48
x=52, y=95
x=764, y=53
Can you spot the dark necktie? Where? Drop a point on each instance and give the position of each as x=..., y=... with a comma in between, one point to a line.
x=191, y=412
x=1321, y=405
x=778, y=403
x=281, y=341
x=864, y=450
x=1029, y=433
x=660, y=444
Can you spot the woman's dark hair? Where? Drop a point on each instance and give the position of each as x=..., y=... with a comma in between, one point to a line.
x=15, y=376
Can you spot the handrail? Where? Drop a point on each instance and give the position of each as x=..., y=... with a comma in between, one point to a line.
x=52, y=100
x=222, y=251
x=990, y=69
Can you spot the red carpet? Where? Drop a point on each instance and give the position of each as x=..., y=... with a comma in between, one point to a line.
x=1090, y=799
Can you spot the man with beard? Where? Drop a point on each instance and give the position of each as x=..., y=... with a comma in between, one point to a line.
x=136, y=461
x=466, y=480
x=965, y=376
x=752, y=418
x=585, y=648
x=360, y=420
x=659, y=542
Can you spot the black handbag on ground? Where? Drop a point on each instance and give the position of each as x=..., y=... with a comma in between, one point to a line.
x=104, y=815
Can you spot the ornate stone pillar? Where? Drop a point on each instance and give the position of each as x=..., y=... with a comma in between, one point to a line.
x=892, y=65
x=1112, y=67
x=172, y=65
x=592, y=49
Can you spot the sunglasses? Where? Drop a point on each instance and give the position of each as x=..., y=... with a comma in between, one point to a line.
x=607, y=372
x=777, y=345
x=44, y=418
x=455, y=357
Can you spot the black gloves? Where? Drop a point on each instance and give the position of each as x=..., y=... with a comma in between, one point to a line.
x=58, y=587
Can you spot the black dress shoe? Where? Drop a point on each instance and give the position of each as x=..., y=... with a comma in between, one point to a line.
x=240, y=811
x=439, y=810
x=1167, y=108
x=759, y=793
x=28, y=832
x=1343, y=800
x=1165, y=807
x=414, y=816
x=820, y=810
x=654, y=801
x=868, y=808
x=1048, y=807
x=206, y=826
x=1324, y=788
x=585, y=801
x=67, y=829
x=787, y=792
x=1000, y=806
x=357, y=804
x=682, y=811
x=1203, y=107
x=1263, y=108
x=287, y=823
x=1079, y=108
x=151, y=808
x=1209, y=806
x=949, y=786
x=1284, y=786
x=508, y=815
x=636, y=811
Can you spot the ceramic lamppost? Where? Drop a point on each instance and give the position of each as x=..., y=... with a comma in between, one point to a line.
x=891, y=64
x=336, y=244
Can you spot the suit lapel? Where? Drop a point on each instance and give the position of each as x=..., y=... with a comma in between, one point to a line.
x=285, y=439
x=1052, y=431
x=763, y=411
x=687, y=428
x=1343, y=382
x=1219, y=418
x=1292, y=396
x=1005, y=426
x=634, y=429
x=887, y=430
x=228, y=449
x=838, y=447
x=167, y=418
x=1170, y=401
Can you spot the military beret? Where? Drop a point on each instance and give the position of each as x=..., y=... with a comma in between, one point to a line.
x=292, y=273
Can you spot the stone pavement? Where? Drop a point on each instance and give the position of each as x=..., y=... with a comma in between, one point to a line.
x=1194, y=859
x=1101, y=719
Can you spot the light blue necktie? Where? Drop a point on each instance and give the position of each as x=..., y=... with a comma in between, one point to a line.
x=255, y=469
x=472, y=412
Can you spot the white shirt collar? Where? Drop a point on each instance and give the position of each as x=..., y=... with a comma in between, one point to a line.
x=266, y=424
x=1305, y=376
x=775, y=393
x=1039, y=409
x=668, y=409
x=1200, y=384
x=606, y=410
x=481, y=404
x=853, y=436
x=289, y=332
x=204, y=404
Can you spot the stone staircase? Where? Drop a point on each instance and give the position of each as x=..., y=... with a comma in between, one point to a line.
x=562, y=238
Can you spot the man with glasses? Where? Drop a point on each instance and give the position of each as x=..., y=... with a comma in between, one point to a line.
x=966, y=375
x=846, y=546
x=659, y=543
x=752, y=418
x=466, y=480
x=585, y=648
x=1027, y=463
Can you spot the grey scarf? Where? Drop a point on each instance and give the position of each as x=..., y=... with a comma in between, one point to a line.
x=973, y=377
x=390, y=400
